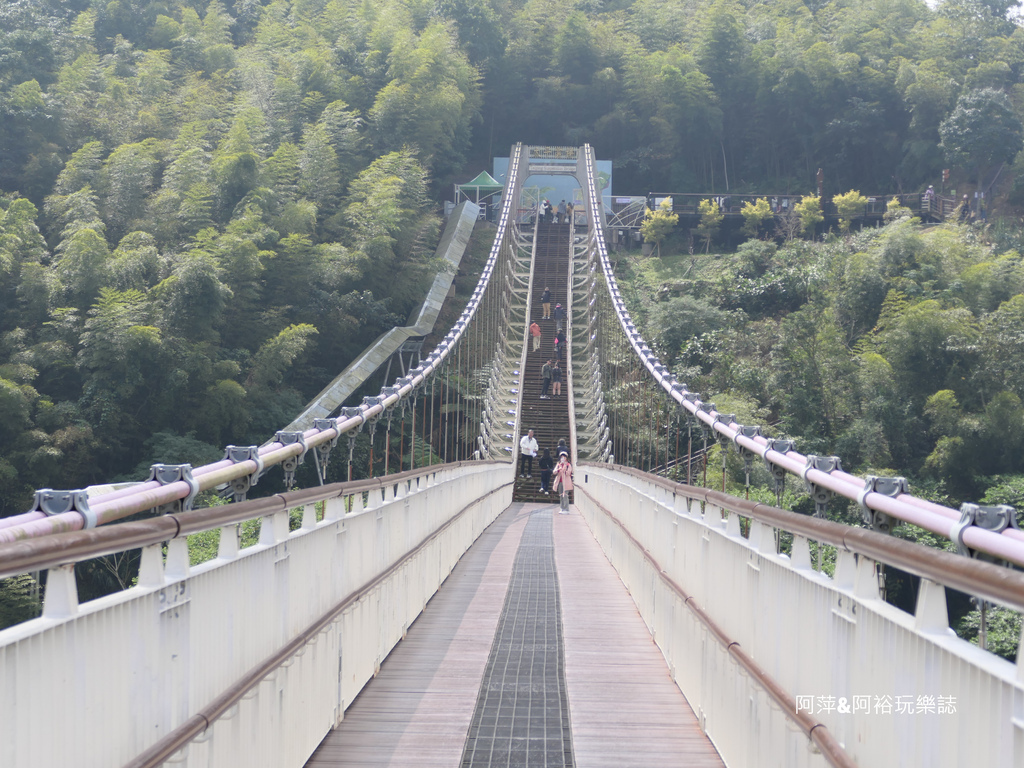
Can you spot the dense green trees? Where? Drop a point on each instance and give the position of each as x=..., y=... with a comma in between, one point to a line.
x=719, y=95
x=206, y=208
x=981, y=131
x=899, y=349
x=194, y=235
x=686, y=96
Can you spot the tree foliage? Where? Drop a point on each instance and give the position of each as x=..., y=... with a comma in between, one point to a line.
x=848, y=205
x=809, y=212
x=657, y=225
x=984, y=129
x=754, y=215
x=711, y=217
x=198, y=199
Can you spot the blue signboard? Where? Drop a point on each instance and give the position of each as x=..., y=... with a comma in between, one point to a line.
x=556, y=188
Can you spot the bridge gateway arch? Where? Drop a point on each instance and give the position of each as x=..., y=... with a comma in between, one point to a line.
x=267, y=653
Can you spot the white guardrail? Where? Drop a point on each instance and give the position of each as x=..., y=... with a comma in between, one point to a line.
x=786, y=667
x=251, y=658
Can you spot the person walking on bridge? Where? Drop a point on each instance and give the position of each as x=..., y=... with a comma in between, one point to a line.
x=527, y=450
x=535, y=332
x=545, y=301
x=546, y=464
x=559, y=317
x=563, y=482
x=556, y=380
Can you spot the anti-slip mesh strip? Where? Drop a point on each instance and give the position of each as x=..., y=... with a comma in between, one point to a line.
x=522, y=711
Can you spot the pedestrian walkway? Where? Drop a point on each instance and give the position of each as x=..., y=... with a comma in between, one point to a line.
x=483, y=676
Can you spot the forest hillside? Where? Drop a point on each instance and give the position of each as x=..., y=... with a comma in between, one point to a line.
x=208, y=208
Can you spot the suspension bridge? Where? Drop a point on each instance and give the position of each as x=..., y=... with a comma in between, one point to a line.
x=444, y=613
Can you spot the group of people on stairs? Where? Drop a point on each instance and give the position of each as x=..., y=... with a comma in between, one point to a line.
x=559, y=342
x=560, y=214
x=560, y=472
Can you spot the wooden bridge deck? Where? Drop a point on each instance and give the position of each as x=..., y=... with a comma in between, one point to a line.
x=623, y=707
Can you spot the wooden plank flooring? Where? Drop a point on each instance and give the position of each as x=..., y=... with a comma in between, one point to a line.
x=624, y=706
x=417, y=711
x=625, y=709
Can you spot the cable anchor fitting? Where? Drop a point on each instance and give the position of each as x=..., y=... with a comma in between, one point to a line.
x=886, y=486
x=729, y=419
x=370, y=402
x=746, y=453
x=51, y=502
x=165, y=474
x=292, y=463
x=323, y=450
x=236, y=454
x=995, y=518
x=778, y=473
x=819, y=493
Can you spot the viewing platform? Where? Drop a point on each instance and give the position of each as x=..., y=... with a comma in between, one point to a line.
x=627, y=213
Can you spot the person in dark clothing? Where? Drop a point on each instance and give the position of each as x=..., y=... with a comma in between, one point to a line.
x=559, y=317
x=559, y=344
x=562, y=448
x=556, y=380
x=545, y=374
x=964, y=211
x=546, y=464
x=545, y=300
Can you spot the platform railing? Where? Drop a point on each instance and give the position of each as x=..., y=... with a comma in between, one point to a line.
x=782, y=204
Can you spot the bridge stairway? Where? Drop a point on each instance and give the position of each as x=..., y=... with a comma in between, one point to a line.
x=549, y=419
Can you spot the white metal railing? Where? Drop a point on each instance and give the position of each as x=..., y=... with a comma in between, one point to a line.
x=992, y=531
x=248, y=659
x=785, y=666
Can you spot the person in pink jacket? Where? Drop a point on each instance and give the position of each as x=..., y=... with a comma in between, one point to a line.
x=563, y=481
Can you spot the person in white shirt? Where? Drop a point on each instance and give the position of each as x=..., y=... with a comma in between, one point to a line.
x=527, y=450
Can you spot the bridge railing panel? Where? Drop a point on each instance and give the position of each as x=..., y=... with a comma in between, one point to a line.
x=250, y=658
x=773, y=654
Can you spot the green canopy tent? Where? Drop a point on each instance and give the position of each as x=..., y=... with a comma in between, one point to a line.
x=480, y=188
